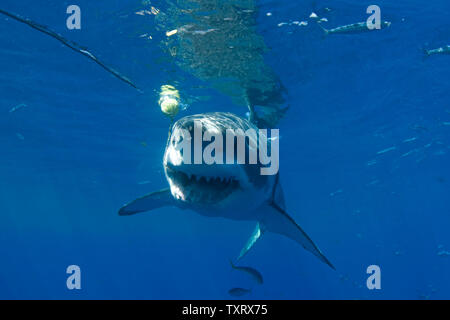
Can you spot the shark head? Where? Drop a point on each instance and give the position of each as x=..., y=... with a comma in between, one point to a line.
x=221, y=183
x=230, y=186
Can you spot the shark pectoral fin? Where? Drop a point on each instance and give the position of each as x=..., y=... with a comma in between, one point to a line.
x=257, y=233
x=278, y=221
x=149, y=202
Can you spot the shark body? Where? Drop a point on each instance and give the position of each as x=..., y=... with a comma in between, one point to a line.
x=232, y=191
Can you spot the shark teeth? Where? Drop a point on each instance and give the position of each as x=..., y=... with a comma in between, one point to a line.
x=199, y=188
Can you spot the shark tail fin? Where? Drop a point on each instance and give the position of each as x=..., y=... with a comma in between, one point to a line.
x=276, y=220
x=149, y=202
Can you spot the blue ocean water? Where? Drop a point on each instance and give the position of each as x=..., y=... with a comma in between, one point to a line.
x=365, y=153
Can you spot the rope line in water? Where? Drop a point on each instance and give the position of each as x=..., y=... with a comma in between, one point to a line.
x=72, y=45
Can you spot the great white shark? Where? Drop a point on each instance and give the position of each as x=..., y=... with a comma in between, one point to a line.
x=233, y=191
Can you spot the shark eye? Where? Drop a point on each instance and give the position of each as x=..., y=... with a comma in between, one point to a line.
x=176, y=139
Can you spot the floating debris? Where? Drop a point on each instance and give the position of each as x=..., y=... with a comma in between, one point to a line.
x=155, y=11
x=239, y=292
x=322, y=20
x=171, y=33
x=147, y=12
x=19, y=106
x=146, y=36
x=202, y=32
x=282, y=24
x=169, y=100
x=313, y=15
x=386, y=150
x=140, y=13
x=269, y=14
x=303, y=23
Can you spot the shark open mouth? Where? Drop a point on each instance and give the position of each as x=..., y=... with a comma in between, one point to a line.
x=196, y=188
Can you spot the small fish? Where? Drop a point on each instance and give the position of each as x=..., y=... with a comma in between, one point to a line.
x=239, y=292
x=14, y=109
x=386, y=150
x=443, y=253
x=419, y=127
x=255, y=274
x=410, y=140
x=409, y=152
x=332, y=194
x=441, y=179
x=441, y=50
x=354, y=28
